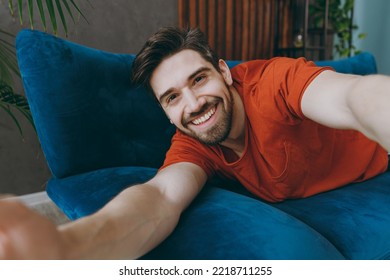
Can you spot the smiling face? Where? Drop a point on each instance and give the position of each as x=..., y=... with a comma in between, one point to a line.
x=195, y=96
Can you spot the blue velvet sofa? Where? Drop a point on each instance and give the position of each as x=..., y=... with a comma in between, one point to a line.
x=100, y=134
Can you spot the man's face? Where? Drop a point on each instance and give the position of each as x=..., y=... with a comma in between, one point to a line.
x=195, y=96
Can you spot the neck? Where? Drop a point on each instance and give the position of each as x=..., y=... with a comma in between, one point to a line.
x=236, y=138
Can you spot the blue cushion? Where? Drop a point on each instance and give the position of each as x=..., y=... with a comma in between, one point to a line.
x=84, y=194
x=224, y=225
x=87, y=113
x=354, y=218
x=361, y=64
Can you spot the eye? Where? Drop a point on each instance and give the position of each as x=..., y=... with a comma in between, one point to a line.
x=199, y=79
x=171, y=98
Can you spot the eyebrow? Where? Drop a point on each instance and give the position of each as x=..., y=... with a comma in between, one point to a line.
x=190, y=77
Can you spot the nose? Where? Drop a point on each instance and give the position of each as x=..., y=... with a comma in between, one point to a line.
x=193, y=103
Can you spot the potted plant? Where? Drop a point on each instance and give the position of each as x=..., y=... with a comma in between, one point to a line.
x=340, y=15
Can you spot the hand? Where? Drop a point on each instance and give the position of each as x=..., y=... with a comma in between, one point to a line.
x=25, y=234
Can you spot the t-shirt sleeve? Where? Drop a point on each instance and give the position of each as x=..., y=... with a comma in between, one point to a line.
x=187, y=149
x=279, y=84
x=291, y=78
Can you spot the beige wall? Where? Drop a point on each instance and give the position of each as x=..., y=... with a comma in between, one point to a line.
x=116, y=26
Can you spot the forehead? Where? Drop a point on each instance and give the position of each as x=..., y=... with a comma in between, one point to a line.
x=174, y=70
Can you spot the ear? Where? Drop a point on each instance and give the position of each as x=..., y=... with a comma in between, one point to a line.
x=225, y=71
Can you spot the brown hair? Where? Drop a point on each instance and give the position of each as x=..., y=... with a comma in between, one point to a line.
x=165, y=43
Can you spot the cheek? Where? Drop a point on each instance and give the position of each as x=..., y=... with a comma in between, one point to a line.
x=174, y=116
x=221, y=89
x=215, y=87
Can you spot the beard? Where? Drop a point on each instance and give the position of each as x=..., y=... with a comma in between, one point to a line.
x=221, y=130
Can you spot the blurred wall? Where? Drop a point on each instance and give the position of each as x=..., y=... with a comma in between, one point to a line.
x=117, y=26
x=372, y=17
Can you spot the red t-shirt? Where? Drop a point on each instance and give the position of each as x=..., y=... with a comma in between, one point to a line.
x=286, y=155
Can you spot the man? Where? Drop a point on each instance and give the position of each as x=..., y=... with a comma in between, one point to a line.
x=273, y=125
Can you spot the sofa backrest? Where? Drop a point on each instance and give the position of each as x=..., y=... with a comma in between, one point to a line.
x=87, y=113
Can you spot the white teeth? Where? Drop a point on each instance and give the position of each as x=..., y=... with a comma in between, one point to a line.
x=204, y=117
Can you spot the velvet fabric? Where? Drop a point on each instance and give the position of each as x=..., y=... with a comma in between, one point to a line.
x=355, y=218
x=85, y=193
x=101, y=134
x=361, y=64
x=221, y=224
x=87, y=113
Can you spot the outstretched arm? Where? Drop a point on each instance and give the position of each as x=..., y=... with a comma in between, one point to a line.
x=130, y=225
x=351, y=102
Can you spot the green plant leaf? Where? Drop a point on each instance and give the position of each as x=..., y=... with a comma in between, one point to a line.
x=362, y=35
x=52, y=10
x=6, y=33
x=11, y=7
x=31, y=13
x=348, y=6
x=20, y=6
x=8, y=66
x=42, y=14
x=5, y=108
x=52, y=14
x=9, y=101
x=77, y=8
x=61, y=13
x=65, y=2
x=8, y=63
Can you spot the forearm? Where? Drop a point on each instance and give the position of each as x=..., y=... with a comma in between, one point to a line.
x=130, y=225
x=369, y=102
